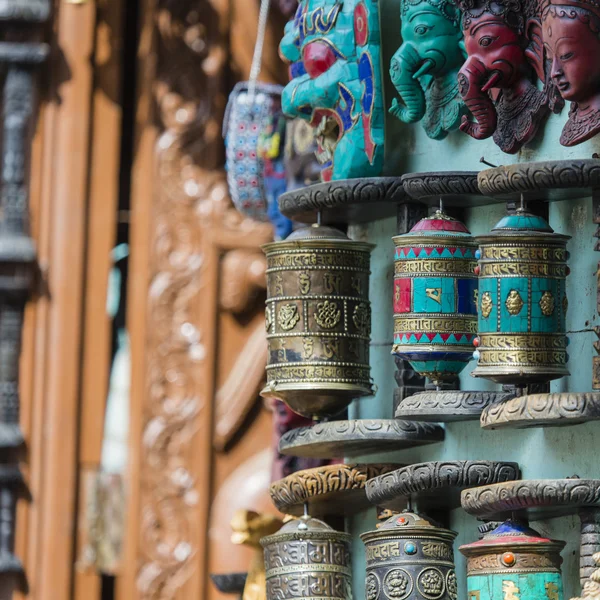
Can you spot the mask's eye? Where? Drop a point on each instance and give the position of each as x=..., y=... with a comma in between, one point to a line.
x=421, y=29
x=567, y=56
x=487, y=40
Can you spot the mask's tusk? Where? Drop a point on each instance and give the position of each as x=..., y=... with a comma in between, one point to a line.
x=492, y=81
x=425, y=68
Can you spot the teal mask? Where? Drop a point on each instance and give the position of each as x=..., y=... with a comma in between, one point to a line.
x=424, y=69
x=333, y=47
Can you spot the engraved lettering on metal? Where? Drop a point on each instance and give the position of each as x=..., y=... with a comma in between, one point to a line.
x=439, y=323
x=307, y=559
x=412, y=558
x=318, y=288
x=304, y=283
x=441, y=267
x=524, y=270
x=437, y=550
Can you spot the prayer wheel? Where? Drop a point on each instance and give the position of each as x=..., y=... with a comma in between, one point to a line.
x=307, y=559
x=318, y=320
x=435, y=319
x=514, y=561
x=410, y=557
x=522, y=302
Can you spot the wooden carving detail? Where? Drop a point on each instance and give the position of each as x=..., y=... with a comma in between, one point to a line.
x=305, y=485
x=198, y=239
x=438, y=476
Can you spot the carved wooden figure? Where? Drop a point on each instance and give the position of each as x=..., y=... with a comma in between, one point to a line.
x=571, y=35
x=248, y=528
x=425, y=67
x=498, y=81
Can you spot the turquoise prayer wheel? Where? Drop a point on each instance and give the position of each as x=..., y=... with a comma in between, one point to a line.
x=514, y=562
x=522, y=302
x=435, y=290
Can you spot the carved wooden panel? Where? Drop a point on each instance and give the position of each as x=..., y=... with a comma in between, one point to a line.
x=198, y=352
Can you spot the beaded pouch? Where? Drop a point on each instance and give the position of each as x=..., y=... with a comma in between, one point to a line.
x=249, y=116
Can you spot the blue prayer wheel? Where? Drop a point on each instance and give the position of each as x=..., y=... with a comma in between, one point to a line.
x=514, y=562
x=522, y=302
x=435, y=288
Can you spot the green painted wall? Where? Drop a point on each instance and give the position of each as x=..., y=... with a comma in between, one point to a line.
x=540, y=452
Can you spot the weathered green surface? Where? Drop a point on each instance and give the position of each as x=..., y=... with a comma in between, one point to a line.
x=542, y=453
x=525, y=586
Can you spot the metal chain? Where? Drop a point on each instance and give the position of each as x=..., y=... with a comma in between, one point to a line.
x=258, y=48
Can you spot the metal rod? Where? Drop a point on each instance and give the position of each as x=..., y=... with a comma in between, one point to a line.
x=489, y=164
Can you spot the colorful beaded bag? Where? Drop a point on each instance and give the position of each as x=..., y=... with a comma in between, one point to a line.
x=252, y=109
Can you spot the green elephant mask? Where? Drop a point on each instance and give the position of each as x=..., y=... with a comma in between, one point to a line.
x=424, y=69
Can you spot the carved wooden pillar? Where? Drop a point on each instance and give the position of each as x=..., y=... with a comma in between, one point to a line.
x=19, y=60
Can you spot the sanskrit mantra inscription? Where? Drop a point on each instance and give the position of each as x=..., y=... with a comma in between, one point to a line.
x=445, y=324
x=315, y=258
x=523, y=253
x=434, y=266
x=523, y=270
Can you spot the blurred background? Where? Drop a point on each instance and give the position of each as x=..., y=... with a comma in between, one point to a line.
x=138, y=363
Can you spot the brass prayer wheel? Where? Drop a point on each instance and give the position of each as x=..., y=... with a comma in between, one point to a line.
x=514, y=561
x=318, y=320
x=522, y=302
x=308, y=559
x=410, y=557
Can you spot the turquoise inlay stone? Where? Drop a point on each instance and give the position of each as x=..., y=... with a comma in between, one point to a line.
x=410, y=548
x=522, y=301
x=434, y=297
x=514, y=562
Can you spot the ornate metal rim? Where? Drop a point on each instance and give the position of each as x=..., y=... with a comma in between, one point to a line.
x=362, y=199
x=536, y=178
x=427, y=185
x=448, y=406
x=421, y=479
x=545, y=497
x=542, y=410
x=357, y=437
x=333, y=536
x=329, y=490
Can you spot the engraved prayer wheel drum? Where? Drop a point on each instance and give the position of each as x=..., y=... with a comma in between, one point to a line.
x=308, y=559
x=522, y=302
x=435, y=319
x=318, y=320
x=410, y=557
x=514, y=562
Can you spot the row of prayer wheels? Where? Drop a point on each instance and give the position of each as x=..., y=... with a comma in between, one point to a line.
x=409, y=556
x=499, y=298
